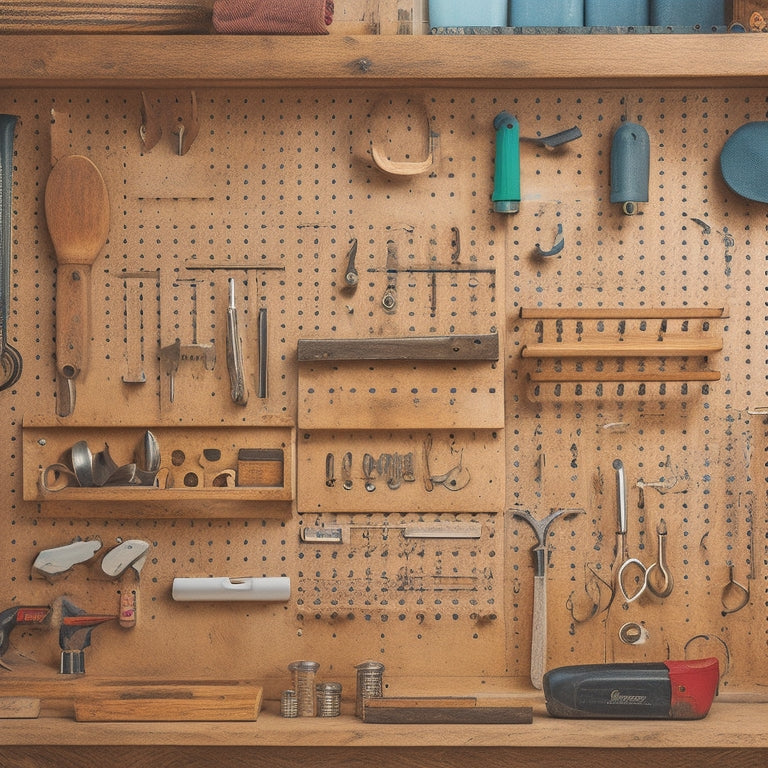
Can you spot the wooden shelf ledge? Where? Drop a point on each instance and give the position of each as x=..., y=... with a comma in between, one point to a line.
x=505, y=61
x=690, y=348
x=728, y=726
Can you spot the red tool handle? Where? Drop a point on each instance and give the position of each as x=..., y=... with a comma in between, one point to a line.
x=694, y=685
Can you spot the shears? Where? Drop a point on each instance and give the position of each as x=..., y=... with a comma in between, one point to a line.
x=655, y=578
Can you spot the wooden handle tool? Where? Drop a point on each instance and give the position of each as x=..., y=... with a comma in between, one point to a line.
x=77, y=211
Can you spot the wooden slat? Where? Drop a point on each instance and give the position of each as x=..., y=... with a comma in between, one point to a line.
x=103, y=16
x=451, y=348
x=621, y=313
x=19, y=707
x=383, y=60
x=420, y=702
x=169, y=702
x=585, y=376
x=692, y=348
x=418, y=715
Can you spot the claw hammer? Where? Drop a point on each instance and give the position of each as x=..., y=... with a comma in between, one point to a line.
x=540, y=555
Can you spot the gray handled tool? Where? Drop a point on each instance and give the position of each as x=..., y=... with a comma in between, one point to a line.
x=238, y=389
x=539, y=626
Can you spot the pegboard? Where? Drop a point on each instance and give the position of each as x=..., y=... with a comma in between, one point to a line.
x=272, y=193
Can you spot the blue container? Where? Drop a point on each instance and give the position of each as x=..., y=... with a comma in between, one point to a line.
x=546, y=13
x=459, y=13
x=688, y=13
x=617, y=13
x=630, y=166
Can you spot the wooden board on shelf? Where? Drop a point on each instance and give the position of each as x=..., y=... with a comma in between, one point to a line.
x=164, y=702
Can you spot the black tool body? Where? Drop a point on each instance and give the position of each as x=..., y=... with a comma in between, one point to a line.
x=671, y=690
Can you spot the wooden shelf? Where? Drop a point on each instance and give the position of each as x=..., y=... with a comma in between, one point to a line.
x=155, y=61
x=728, y=726
x=45, y=445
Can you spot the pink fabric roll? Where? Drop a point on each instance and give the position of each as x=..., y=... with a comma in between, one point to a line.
x=272, y=17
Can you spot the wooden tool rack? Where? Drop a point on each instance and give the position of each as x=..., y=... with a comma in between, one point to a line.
x=277, y=183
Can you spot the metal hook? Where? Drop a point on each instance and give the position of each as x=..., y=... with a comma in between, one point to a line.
x=570, y=605
x=667, y=582
x=739, y=592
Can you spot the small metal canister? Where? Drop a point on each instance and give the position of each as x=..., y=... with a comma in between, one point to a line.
x=304, y=684
x=369, y=683
x=328, y=699
x=289, y=704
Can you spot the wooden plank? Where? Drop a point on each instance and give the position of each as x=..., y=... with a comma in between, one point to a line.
x=169, y=702
x=423, y=702
x=621, y=313
x=383, y=60
x=400, y=395
x=585, y=376
x=691, y=348
x=450, y=348
x=104, y=16
x=418, y=715
x=19, y=707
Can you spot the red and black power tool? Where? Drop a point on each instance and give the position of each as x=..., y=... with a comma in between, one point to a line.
x=670, y=690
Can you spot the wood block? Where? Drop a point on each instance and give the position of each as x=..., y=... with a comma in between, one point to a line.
x=260, y=467
x=420, y=702
x=472, y=715
x=18, y=707
x=169, y=702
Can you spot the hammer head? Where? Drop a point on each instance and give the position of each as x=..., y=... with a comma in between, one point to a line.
x=77, y=625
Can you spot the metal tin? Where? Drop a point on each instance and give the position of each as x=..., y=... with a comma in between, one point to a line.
x=616, y=13
x=553, y=13
x=289, y=704
x=459, y=13
x=304, y=684
x=688, y=13
x=369, y=683
x=328, y=699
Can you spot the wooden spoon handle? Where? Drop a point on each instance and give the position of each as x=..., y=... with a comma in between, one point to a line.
x=72, y=311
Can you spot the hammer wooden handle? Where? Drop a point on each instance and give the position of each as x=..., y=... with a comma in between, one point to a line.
x=539, y=632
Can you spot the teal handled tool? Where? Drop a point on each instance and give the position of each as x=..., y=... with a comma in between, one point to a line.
x=506, y=180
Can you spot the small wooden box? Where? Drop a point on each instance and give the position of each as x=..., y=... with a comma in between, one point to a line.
x=260, y=467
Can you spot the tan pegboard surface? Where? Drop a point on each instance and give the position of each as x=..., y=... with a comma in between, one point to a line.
x=272, y=191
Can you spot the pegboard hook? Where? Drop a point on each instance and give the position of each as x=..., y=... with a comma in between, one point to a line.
x=187, y=125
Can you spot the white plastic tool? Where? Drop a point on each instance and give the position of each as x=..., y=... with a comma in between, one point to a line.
x=224, y=589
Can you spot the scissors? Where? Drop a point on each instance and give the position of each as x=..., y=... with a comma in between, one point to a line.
x=655, y=578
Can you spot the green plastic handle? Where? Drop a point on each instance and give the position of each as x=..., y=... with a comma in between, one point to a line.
x=506, y=180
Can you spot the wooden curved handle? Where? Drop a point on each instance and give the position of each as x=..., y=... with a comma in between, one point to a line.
x=72, y=311
x=404, y=168
x=539, y=632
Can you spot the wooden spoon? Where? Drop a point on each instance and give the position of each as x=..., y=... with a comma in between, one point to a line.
x=77, y=209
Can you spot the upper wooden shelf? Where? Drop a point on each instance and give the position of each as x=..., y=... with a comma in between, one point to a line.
x=379, y=61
